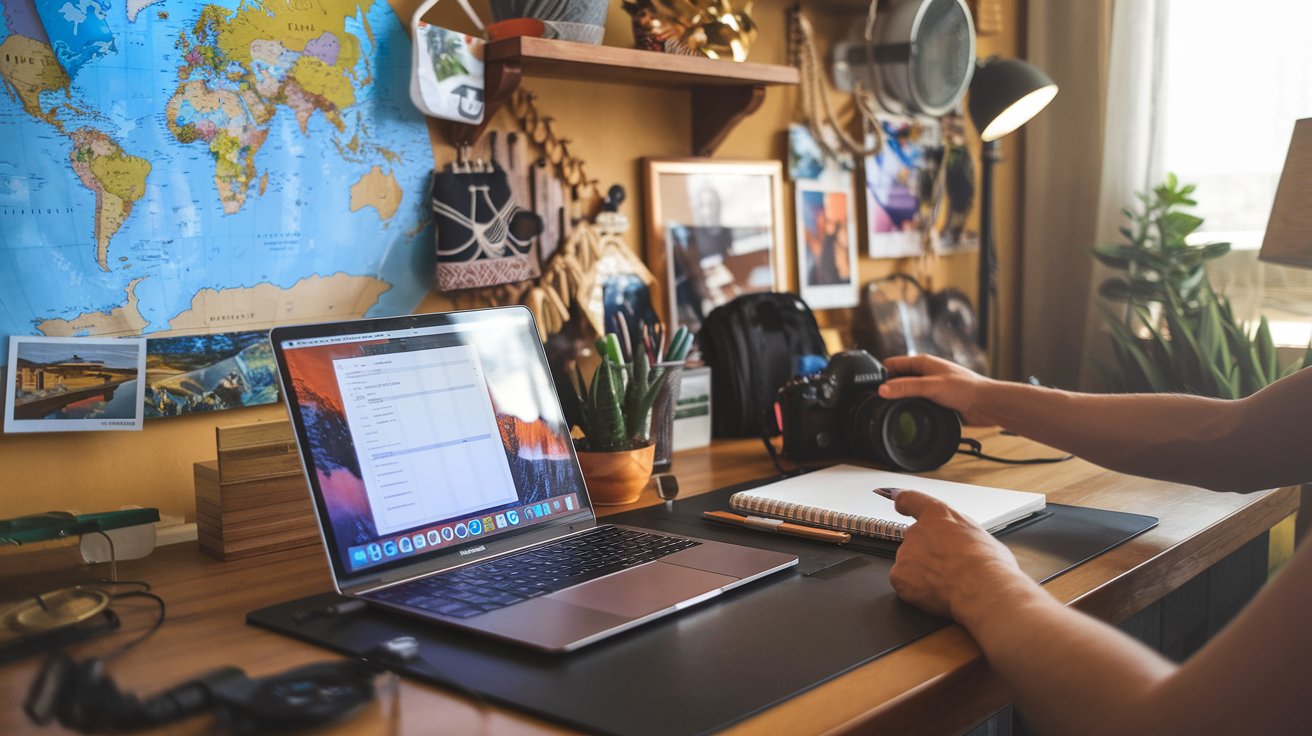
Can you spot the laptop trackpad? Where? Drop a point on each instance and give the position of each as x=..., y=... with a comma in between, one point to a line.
x=644, y=589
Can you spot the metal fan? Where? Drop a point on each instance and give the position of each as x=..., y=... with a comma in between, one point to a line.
x=920, y=60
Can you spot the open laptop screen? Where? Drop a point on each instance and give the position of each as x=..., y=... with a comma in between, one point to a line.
x=423, y=435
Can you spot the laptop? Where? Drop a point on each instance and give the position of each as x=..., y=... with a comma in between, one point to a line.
x=446, y=486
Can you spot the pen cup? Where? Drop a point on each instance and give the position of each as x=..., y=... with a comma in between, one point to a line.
x=662, y=416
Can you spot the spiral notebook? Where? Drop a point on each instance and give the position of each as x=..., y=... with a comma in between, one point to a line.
x=841, y=497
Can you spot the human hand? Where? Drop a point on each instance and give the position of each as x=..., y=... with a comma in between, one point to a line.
x=947, y=564
x=943, y=382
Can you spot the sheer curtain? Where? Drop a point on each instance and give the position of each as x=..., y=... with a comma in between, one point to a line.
x=1133, y=138
x=1063, y=167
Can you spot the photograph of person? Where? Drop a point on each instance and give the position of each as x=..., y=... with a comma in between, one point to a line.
x=714, y=233
x=826, y=247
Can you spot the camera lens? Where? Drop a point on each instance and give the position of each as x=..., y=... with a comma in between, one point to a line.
x=906, y=434
x=908, y=429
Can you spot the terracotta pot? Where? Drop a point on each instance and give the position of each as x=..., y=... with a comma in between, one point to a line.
x=616, y=478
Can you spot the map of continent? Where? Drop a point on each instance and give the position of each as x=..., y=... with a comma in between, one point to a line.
x=193, y=168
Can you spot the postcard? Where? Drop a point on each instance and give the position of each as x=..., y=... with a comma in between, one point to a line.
x=197, y=373
x=74, y=384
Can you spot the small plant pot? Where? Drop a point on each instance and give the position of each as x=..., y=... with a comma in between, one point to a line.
x=616, y=478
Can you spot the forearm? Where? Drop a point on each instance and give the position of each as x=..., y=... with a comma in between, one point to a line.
x=1068, y=673
x=1186, y=439
x=1250, y=444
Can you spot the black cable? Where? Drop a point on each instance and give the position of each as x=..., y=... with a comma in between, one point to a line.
x=159, y=621
x=777, y=459
x=975, y=449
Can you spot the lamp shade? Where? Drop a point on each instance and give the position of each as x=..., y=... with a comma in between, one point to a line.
x=1005, y=94
x=1288, y=239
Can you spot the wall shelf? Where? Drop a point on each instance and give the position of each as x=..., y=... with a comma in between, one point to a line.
x=723, y=92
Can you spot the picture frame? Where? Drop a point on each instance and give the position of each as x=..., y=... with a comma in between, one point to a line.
x=714, y=231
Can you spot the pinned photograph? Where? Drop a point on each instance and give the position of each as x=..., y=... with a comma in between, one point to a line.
x=185, y=375
x=61, y=384
x=895, y=182
x=826, y=246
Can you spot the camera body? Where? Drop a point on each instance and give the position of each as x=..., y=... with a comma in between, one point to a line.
x=838, y=412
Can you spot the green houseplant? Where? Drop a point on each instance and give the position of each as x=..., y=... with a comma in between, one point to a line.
x=616, y=451
x=1175, y=333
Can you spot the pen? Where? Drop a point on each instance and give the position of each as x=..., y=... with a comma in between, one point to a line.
x=779, y=526
x=889, y=493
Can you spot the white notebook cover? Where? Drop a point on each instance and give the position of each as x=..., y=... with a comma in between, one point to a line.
x=848, y=489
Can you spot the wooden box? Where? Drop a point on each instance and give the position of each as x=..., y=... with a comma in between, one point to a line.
x=254, y=498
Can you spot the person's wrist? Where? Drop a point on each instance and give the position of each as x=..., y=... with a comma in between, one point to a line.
x=995, y=589
x=986, y=404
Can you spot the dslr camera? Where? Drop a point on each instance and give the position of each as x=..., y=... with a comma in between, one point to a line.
x=838, y=412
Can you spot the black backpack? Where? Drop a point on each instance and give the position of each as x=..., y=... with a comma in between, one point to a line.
x=751, y=345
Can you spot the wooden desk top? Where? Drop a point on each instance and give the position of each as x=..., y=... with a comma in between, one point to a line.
x=937, y=684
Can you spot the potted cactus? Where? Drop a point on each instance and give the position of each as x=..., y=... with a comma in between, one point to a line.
x=616, y=450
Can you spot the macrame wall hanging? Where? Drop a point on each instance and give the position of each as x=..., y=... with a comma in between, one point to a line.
x=546, y=200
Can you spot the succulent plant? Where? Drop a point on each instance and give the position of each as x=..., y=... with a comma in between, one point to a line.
x=616, y=403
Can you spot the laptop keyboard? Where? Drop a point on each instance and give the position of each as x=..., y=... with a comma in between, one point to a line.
x=498, y=583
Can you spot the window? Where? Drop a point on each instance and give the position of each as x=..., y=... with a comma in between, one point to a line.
x=1237, y=77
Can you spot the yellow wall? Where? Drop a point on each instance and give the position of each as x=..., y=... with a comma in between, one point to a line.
x=613, y=127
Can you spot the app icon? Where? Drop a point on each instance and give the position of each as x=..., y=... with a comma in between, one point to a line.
x=475, y=527
x=569, y=503
x=528, y=512
x=544, y=509
x=433, y=538
x=358, y=557
x=488, y=523
x=406, y=547
x=420, y=541
x=447, y=534
x=389, y=548
x=501, y=521
x=512, y=516
x=537, y=509
x=461, y=531
x=375, y=552
x=556, y=504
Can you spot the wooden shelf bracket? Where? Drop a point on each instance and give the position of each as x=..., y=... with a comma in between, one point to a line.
x=716, y=110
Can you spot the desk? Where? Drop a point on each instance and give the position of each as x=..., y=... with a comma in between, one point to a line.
x=937, y=684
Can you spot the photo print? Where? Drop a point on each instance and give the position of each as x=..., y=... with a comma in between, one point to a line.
x=898, y=187
x=198, y=373
x=826, y=246
x=62, y=384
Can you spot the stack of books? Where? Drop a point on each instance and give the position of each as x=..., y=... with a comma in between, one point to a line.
x=254, y=498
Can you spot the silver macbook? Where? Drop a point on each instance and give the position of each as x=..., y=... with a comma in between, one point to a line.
x=446, y=486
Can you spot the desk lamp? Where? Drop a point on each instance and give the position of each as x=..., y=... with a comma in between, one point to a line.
x=1288, y=239
x=1004, y=95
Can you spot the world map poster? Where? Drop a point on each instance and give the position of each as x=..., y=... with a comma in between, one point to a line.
x=190, y=168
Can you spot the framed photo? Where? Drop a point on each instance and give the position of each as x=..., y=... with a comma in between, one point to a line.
x=826, y=244
x=714, y=231
x=71, y=384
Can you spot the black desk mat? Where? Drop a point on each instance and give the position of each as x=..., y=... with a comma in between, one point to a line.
x=717, y=663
